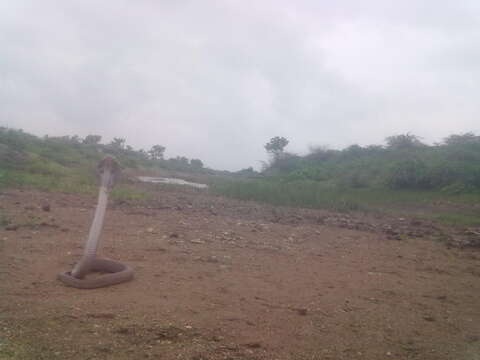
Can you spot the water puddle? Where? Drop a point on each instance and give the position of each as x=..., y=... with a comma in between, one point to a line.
x=174, y=181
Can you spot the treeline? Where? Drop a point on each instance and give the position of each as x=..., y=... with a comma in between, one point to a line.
x=20, y=150
x=405, y=162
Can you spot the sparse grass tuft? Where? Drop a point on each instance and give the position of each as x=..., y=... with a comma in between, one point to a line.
x=128, y=193
x=458, y=219
x=4, y=220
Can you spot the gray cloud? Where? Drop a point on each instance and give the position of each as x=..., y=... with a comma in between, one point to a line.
x=216, y=79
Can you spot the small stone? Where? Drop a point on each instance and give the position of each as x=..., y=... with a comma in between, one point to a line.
x=217, y=338
x=473, y=338
x=197, y=241
x=46, y=207
x=302, y=311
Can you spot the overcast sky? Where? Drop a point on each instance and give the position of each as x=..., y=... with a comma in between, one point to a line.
x=216, y=80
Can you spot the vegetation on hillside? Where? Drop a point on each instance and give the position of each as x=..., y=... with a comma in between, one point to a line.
x=68, y=162
x=403, y=163
x=403, y=171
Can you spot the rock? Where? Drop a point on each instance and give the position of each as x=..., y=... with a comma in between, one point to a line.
x=217, y=338
x=46, y=207
x=197, y=241
x=302, y=311
x=124, y=330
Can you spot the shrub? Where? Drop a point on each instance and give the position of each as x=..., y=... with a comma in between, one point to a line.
x=407, y=174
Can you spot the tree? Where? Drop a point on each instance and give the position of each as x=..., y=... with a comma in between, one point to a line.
x=287, y=162
x=156, y=152
x=117, y=143
x=196, y=163
x=404, y=141
x=276, y=145
x=92, y=139
x=320, y=153
x=64, y=139
x=143, y=154
x=461, y=139
x=182, y=160
x=353, y=151
x=246, y=172
x=75, y=139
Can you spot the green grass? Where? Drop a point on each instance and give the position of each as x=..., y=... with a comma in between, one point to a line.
x=324, y=195
x=4, y=220
x=128, y=193
x=71, y=182
x=458, y=219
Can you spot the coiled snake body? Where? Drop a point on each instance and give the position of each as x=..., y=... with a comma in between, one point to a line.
x=116, y=272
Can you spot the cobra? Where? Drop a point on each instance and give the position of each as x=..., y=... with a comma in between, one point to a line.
x=114, y=271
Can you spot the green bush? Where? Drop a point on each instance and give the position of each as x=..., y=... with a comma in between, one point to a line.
x=408, y=174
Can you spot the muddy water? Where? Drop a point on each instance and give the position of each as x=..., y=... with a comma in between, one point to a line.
x=174, y=181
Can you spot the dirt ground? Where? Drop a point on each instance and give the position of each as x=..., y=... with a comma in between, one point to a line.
x=223, y=279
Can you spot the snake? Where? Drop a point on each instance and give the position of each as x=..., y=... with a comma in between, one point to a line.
x=112, y=272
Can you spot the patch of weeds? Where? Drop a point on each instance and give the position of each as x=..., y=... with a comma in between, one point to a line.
x=6, y=352
x=346, y=206
x=27, y=351
x=128, y=193
x=308, y=194
x=4, y=220
x=458, y=219
x=71, y=183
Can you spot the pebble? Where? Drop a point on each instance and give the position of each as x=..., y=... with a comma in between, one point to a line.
x=197, y=241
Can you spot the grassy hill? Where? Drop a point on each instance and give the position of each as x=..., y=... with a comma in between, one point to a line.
x=404, y=173
x=68, y=163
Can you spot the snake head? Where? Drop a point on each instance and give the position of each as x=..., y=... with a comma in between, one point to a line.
x=108, y=169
